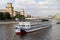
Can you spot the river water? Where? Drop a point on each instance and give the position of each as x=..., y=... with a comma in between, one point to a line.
x=52, y=33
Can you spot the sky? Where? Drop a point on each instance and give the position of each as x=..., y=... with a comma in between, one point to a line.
x=34, y=7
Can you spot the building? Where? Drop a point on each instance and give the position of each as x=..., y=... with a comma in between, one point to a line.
x=57, y=17
x=15, y=13
x=1, y=10
x=10, y=9
x=22, y=12
x=28, y=16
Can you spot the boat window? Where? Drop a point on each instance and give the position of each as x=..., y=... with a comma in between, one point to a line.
x=28, y=25
x=43, y=20
x=19, y=25
x=16, y=27
x=22, y=25
x=32, y=25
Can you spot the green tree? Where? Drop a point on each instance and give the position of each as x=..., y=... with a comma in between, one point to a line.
x=8, y=15
x=1, y=16
x=17, y=16
x=4, y=16
x=20, y=16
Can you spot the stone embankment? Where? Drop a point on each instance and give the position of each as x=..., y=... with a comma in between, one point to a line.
x=7, y=22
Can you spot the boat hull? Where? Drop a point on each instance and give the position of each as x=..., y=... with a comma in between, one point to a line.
x=20, y=33
x=31, y=30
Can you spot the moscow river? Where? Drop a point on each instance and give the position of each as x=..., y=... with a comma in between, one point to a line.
x=52, y=33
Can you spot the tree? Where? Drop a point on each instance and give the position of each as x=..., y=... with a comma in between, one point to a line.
x=17, y=16
x=1, y=16
x=6, y=15
x=20, y=16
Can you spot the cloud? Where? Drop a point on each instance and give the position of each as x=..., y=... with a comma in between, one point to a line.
x=3, y=3
x=35, y=7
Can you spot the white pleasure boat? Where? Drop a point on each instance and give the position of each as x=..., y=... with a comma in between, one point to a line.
x=31, y=25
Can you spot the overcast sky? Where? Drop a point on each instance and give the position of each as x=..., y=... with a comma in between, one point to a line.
x=34, y=7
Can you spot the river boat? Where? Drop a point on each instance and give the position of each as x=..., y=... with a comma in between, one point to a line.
x=30, y=25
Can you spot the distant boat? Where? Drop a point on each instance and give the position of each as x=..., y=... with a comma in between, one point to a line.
x=58, y=22
x=31, y=25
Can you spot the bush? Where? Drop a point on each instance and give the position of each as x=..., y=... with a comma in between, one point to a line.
x=4, y=16
x=20, y=16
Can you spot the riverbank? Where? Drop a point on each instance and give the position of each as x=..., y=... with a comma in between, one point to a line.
x=7, y=22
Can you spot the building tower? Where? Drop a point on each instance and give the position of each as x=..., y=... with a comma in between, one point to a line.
x=9, y=9
x=22, y=12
